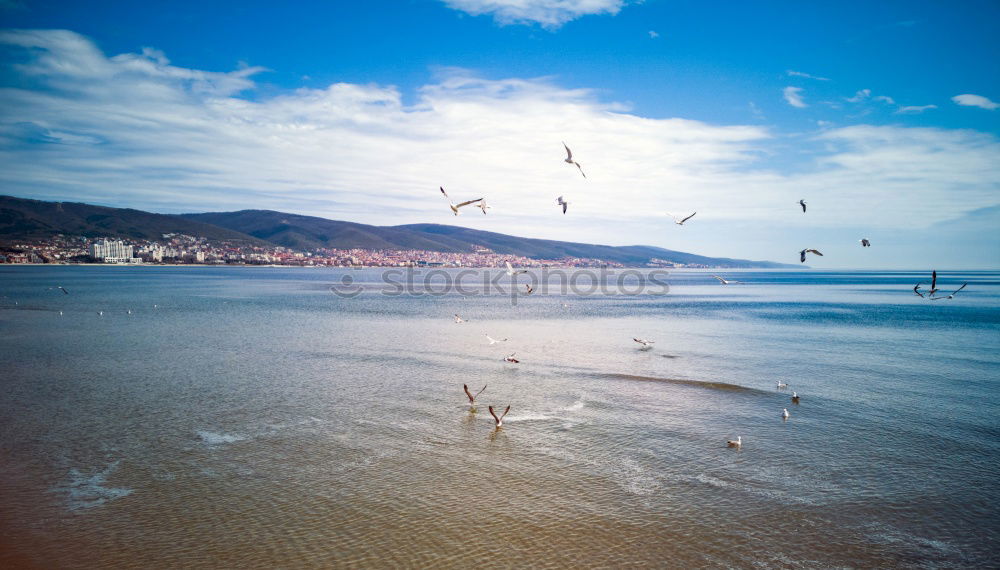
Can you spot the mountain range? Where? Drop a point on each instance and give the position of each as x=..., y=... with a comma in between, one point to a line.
x=33, y=219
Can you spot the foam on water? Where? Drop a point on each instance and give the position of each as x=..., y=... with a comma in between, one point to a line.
x=85, y=489
x=213, y=439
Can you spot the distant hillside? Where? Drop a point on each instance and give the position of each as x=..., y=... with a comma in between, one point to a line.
x=22, y=218
x=309, y=232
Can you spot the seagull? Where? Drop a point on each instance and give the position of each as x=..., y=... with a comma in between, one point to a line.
x=510, y=358
x=802, y=254
x=529, y=289
x=795, y=398
x=569, y=160
x=454, y=207
x=803, y=204
x=472, y=399
x=780, y=385
x=680, y=222
x=952, y=295
x=784, y=413
x=646, y=344
x=60, y=313
x=100, y=313
x=459, y=319
x=725, y=282
x=865, y=242
x=737, y=443
x=155, y=306
x=562, y=203
x=493, y=340
x=934, y=288
x=63, y=289
x=499, y=420
x=513, y=272
x=129, y=311
x=482, y=205
x=915, y=287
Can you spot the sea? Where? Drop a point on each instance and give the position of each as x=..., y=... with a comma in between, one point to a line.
x=268, y=417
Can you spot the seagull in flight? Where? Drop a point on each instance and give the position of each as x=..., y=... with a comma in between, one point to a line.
x=528, y=289
x=803, y=204
x=459, y=319
x=562, y=203
x=499, y=420
x=569, y=160
x=63, y=289
x=512, y=272
x=952, y=295
x=737, y=443
x=646, y=344
x=472, y=399
x=493, y=340
x=454, y=207
x=865, y=242
x=802, y=254
x=934, y=288
x=726, y=282
x=482, y=205
x=915, y=290
x=510, y=358
x=680, y=222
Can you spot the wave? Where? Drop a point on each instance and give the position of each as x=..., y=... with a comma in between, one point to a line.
x=211, y=438
x=682, y=381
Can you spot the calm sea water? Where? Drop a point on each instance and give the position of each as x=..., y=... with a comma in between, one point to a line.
x=254, y=419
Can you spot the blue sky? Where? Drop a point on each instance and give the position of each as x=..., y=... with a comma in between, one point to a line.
x=883, y=116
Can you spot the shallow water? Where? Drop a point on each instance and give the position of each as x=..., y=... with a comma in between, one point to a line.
x=252, y=418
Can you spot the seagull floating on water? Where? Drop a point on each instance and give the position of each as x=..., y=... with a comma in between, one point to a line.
x=679, y=221
x=459, y=319
x=726, y=282
x=795, y=398
x=738, y=442
x=499, y=420
x=784, y=413
x=510, y=358
x=569, y=160
x=780, y=385
x=865, y=242
x=472, y=399
x=803, y=204
x=802, y=254
x=493, y=340
x=646, y=344
x=454, y=207
x=562, y=203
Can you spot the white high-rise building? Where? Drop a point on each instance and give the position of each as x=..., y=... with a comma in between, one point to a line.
x=111, y=251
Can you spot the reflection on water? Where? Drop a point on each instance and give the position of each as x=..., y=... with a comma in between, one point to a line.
x=254, y=419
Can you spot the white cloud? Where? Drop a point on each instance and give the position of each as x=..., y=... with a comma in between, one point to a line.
x=975, y=101
x=653, y=34
x=548, y=13
x=136, y=131
x=806, y=75
x=915, y=109
x=793, y=95
x=860, y=96
x=885, y=99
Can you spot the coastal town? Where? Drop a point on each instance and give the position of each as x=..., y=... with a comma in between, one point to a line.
x=180, y=249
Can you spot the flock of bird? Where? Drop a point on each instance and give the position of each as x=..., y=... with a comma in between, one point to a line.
x=645, y=344
x=564, y=204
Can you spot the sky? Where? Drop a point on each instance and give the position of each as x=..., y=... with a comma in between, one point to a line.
x=883, y=116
